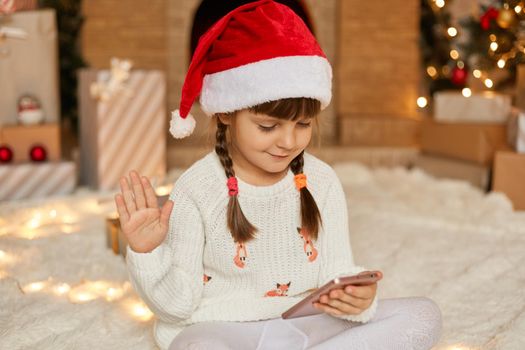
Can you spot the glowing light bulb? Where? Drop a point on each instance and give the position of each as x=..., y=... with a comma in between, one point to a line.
x=142, y=312
x=493, y=37
x=461, y=64
x=494, y=46
x=34, y=287
x=477, y=73
x=440, y=3
x=452, y=31
x=61, y=289
x=163, y=190
x=422, y=102
x=35, y=221
x=454, y=54
x=432, y=71
x=466, y=92
x=518, y=9
x=501, y=63
x=488, y=83
x=81, y=297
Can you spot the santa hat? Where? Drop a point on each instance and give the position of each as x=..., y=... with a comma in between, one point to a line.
x=259, y=52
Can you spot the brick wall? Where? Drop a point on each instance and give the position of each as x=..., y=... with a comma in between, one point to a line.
x=378, y=72
x=372, y=45
x=126, y=29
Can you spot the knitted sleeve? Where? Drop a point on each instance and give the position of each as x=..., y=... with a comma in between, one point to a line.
x=169, y=278
x=336, y=253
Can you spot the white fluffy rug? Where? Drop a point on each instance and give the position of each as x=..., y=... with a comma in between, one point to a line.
x=61, y=288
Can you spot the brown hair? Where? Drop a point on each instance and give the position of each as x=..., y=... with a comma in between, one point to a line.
x=289, y=109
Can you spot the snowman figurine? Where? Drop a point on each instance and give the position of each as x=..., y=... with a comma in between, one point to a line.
x=29, y=110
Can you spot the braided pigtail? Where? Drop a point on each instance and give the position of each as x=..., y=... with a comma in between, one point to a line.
x=241, y=229
x=310, y=215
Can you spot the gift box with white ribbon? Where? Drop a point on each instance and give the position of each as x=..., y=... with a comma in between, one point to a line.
x=124, y=130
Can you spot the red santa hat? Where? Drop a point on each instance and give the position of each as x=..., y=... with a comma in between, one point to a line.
x=259, y=52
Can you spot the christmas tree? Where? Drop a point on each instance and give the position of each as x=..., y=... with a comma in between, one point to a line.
x=481, y=53
x=496, y=42
x=441, y=65
x=69, y=21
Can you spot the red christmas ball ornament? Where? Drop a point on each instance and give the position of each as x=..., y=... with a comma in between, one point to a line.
x=38, y=153
x=487, y=17
x=459, y=76
x=6, y=154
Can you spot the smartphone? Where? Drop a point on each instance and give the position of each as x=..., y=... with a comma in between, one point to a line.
x=306, y=308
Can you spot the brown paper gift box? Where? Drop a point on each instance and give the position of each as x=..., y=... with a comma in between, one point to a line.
x=20, y=138
x=449, y=168
x=30, y=66
x=509, y=177
x=471, y=142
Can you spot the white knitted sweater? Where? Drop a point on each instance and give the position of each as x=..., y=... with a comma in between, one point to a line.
x=200, y=274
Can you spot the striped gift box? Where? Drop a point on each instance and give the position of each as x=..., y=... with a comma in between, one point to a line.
x=35, y=180
x=25, y=5
x=127, y=131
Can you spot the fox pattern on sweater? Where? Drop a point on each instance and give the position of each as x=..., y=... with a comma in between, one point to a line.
x=200, y=274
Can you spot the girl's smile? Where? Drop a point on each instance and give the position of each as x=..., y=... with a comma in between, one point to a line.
x=262, y=147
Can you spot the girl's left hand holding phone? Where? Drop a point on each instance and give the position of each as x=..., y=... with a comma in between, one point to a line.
x=352, y=300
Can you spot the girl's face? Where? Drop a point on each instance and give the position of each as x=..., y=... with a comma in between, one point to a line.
x=267, y=144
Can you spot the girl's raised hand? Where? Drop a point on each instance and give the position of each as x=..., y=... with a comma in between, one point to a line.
x=143, y=223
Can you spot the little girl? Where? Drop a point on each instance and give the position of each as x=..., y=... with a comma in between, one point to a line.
x=256, y=225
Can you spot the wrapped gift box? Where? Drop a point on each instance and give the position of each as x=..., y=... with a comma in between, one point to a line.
x=486, y=107
x=30, y=66
x=471, y=142
x=448, y=168
x=509, y=177
x=516, y=131
x=35, y=180
x=25, y=5
x=115, y=239
x=127, y=131
x=20, y=138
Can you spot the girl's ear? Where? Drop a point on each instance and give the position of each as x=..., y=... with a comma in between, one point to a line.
x=225, y=119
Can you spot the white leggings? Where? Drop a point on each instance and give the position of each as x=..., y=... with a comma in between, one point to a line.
x=405, y=323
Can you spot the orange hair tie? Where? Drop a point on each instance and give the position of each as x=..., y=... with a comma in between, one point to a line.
x=300, y=181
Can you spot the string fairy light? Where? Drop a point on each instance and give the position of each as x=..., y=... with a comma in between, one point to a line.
x=40, y=222
x=440, y=3
x=422, y=102
x=466, y=92
x=34, y=286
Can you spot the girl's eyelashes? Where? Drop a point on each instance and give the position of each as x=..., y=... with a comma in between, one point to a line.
x=270, y=128
x=266, y=128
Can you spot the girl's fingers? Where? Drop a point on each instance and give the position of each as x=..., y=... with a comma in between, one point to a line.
x=121, y=209
x=362, y=292
x=356, y=302
x=328, y=309
x=343, y=308
x=128, y=195
x=166, y=212
x=138, y=190
x=151, y=197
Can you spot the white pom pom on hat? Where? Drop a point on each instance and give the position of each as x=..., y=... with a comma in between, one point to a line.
x=181, y=127
x=244, y=60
